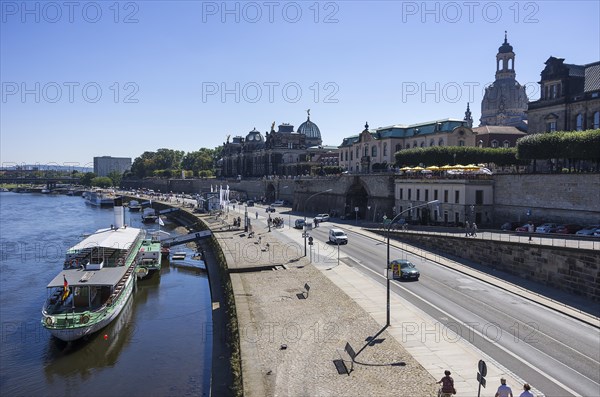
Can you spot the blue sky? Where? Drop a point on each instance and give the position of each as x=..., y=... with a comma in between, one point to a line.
x=85, y=79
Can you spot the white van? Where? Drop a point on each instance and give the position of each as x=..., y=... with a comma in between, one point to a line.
x=337, y=236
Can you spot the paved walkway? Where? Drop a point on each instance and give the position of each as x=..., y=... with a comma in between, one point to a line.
x=289, y=344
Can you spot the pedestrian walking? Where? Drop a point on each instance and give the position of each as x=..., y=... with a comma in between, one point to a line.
x=530, y=230
x=447, y=382
x=526, y=392
x=474, y=232
x=467, y=229
x=503, y=389
x=256, y=214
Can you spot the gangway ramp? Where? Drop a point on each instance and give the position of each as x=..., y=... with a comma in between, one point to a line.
x=178, y=240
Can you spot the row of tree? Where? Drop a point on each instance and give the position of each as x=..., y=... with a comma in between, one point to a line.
x=170, y=163
x=560, y=148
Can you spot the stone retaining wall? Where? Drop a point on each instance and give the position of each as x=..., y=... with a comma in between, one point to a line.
x=573, y=270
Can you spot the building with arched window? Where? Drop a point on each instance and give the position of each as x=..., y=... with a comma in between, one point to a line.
x=569, y=98
x=370, y=146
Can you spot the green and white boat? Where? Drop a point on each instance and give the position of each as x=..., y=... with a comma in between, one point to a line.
x=97, y=279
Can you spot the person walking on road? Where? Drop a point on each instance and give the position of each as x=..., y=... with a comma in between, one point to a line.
x=503, y=389
x=447, y=382
x=526, y=392
x=256, y=214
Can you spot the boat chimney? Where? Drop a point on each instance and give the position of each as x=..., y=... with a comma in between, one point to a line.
x=119, y=213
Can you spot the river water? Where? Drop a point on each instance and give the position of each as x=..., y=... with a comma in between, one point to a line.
x=160, y=345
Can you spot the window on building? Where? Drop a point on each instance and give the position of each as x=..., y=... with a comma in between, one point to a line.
x=357, y=152
x=401, y=193
x=435, y=194
x=479, y=197
x=346, y=155
x=445, y=196
x=422, y=144
x=579, y=122
x=374, y=151
x=441, y=142
x=426, y=194
x=351, y=153
x=461, y=143
x=506, y=144
x=385, y=149
x=494, y=143
x=551, y=126
x=596, y=120
x=431, y=142
x=366, y=151
x=398, y=147
x=456, y=197
x=418, y=194
x=415, y=144
x=408, y=145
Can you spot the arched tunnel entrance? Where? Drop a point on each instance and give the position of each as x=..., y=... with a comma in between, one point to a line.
x=270, y=193
x=356, y=198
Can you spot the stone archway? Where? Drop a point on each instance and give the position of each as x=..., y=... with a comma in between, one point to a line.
x=356, y=197
x=270, y=193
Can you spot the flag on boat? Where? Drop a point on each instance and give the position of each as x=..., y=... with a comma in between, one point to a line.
x=160, y=221
x=65, y=288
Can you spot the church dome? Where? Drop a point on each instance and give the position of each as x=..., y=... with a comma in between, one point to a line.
x=309, y=129
x=505, y=47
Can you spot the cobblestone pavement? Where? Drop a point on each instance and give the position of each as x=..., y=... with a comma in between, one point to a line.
x=290, y=339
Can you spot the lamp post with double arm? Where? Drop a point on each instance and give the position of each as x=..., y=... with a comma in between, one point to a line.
x=304, y=211
x=387, y=272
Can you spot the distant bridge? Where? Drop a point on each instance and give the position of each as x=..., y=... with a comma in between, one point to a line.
x=39, y=181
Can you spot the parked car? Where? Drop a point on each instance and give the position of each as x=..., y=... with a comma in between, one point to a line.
x=524, y=228
x=403, y=269
x=570, y=228
x=322, y=218
x=277, y=203
x=270, y=209
x=337, y=236
x=546, y=228
x=250, y=203
x=588, y=230
x=299, y=224
x=510, y=226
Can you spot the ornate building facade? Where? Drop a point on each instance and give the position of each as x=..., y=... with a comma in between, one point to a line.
x=569, y=100
x=277, y=152
x=505, y=100
x=373, y=149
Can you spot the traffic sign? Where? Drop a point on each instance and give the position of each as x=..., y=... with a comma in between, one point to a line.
x=480, y=379
x=355, y=209
x=482, y=368
x=304, y=235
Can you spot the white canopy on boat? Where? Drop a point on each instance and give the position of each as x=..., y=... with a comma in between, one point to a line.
x=120, y=239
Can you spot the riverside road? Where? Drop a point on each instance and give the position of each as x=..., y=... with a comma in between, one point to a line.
x=558, y=354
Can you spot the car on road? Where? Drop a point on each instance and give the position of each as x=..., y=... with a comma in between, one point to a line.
x=270, y=209
x=298, y=223
x=404, y=270
x=322, y=218
x=546, y=228
x=250, y=203
x=588, y=230
x=337, y=236
x=277, y=203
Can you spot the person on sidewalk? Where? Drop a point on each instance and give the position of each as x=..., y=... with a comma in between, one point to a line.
x=447, y=385
x=467, y=229
x=530, y=229
x=474, y=232
x=526, y=392
x=503, y=389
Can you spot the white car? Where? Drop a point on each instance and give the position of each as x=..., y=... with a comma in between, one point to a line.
x=337, y=236
x=277, y=203
x=322, y=218
x=588, y=231
x=546, y=228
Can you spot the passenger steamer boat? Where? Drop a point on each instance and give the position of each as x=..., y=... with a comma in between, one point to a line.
x=100, y=198
x=98, y=279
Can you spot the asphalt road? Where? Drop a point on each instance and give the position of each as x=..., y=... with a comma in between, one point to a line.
x=558, y=354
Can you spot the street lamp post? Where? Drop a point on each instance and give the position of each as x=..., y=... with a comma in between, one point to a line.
x=304, y=211
x=388, y=255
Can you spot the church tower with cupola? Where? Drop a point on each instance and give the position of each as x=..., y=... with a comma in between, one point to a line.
x=505, y=100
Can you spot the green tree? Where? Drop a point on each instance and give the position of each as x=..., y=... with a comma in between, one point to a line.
x=102, y=181
x=86, y=179
x=116, y=178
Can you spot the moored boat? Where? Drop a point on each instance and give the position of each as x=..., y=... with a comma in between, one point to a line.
x=100, y=198
x=96, y=281
x=149, y=215
x=134, y=206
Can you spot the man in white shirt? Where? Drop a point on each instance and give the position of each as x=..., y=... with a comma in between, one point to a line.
x=503, y=390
